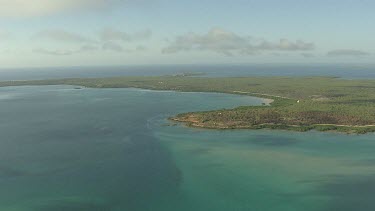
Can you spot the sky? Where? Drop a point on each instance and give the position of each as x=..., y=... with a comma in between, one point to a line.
x=44, y=33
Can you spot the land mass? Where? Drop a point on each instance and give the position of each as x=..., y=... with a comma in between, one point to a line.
x=297, y=103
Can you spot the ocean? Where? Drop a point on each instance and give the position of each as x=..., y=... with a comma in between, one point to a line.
x=346, y=71
x=66, y=149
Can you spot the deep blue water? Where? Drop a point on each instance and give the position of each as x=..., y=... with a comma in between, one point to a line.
x=347, y=71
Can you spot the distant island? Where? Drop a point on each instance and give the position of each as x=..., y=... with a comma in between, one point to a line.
x=297, y=103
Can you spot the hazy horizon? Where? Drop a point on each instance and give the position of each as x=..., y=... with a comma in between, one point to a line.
x=44, y=33
x=273, y=64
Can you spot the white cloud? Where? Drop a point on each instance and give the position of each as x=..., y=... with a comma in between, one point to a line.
x=88, y=48
x=54, y=52
x=228, y=43
x=105, y=35
x=285, y=45
x=115, y=47
x=140, y=48
x=61, y=52
x=29, y=8
x=61, y=35
x=107, y=40
x=112, y=46
x=111, y=34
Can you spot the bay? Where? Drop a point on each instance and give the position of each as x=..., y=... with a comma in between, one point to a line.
x=113, y=149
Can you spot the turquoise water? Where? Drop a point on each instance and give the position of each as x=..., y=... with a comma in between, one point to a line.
x=64, y=149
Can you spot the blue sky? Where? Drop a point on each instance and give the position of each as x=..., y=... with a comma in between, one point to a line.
x=39, y=33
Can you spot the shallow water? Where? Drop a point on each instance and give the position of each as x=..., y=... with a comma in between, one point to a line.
x=112, y=149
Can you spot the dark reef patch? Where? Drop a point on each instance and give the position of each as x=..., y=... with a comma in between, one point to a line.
x=8, y=172
x=346, y=192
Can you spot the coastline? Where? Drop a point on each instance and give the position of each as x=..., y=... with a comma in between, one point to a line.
x=193, y=121
x=288, y=103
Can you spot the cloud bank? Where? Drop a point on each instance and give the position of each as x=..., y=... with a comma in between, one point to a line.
x=111, y=40
x=112, y=46
x=228, y=43
x=60, y=52
x=111, y=34
x=54, y=52
x=61, y=36
x=347, y=52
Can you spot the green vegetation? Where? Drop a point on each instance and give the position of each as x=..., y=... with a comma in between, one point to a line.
x=299, y=103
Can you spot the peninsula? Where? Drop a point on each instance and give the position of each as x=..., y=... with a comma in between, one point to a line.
x=297, y=103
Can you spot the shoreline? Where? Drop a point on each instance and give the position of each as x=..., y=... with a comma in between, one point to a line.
x=348, y=106
x=344, y=129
